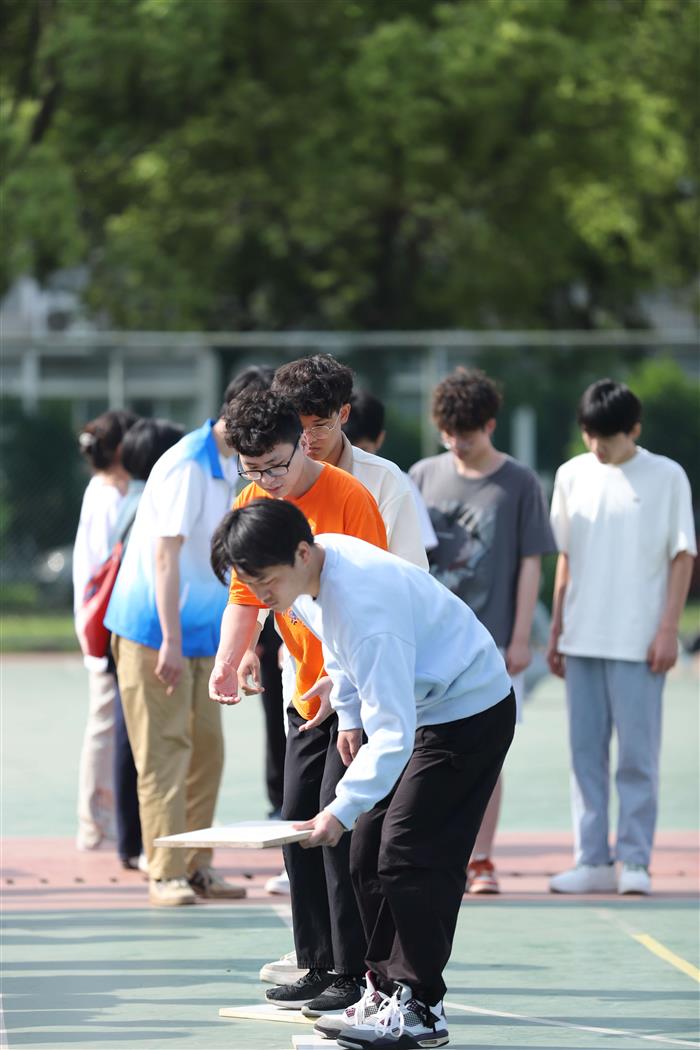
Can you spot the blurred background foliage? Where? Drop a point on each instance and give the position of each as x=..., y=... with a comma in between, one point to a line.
x=349, y=164
x=354, y=163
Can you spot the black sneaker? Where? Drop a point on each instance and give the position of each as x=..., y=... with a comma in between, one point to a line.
x=308, y=987
x=345, y=991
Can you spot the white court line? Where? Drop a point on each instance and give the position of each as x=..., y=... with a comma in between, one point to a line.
x=550, y=1023
x=3, y=1031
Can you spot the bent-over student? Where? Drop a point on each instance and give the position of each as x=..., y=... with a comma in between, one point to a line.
x=414, y=669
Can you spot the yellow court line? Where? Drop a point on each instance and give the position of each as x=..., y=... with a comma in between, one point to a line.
x=667, y=955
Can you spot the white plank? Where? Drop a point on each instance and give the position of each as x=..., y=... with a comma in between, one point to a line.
x=246, y=834
x=310, y=1042
x=265, y=1012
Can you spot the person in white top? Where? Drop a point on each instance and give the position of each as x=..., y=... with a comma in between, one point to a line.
x=412, y=667
x=623, y=521
x=100, y=442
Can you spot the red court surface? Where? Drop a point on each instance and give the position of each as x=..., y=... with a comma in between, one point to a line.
x=48, y=873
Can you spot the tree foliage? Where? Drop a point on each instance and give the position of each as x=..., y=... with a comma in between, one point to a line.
x=354, y=163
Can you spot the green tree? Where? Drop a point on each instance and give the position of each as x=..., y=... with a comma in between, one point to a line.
x=355, y=163
x=41, y=481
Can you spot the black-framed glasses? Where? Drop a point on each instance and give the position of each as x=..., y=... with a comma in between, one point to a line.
x=277, y=471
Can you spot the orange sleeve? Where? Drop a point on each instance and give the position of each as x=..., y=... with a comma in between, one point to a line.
x=238, y=593
x=361, y=517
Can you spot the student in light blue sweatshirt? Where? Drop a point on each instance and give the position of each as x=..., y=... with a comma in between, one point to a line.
x=417, y=673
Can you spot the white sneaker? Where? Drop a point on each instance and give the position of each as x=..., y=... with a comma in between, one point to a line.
x=634, y=878
x=585, y=878
x=284, y=971
x=169, y=893
x=142, y=863
x=330, y=1026
x=278, y=884
x=402, y=1020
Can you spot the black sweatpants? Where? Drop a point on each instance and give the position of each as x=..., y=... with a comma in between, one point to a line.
x=328, y=931
x=126, y=799
x=409, y=853
x=273, y=708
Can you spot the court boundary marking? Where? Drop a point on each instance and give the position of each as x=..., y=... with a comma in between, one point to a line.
x=651, y=944
x=4, y=1044
x=549, y=1022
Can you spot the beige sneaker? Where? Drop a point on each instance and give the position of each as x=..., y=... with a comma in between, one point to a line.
x=283, y=971
x=206, y=883
x=170, y=893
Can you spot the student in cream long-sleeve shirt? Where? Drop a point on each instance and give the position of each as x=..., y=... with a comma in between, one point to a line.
x=411, y=666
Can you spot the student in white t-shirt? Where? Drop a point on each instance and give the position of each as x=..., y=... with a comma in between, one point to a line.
x=623, y=521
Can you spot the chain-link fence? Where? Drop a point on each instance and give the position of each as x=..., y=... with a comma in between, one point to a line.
x=51, y=386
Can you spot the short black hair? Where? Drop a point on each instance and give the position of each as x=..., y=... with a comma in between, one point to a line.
x=254, y=377
x=99, y=440
x=257, y=420
x=260, y=534
x=465, y=400
x=316, y=386
x=607, y=407
x=145, y=443
x=366, y=417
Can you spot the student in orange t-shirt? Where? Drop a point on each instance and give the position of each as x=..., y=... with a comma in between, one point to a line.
x=265, y=430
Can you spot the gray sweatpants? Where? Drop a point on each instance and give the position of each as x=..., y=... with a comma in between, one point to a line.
x=624, y=695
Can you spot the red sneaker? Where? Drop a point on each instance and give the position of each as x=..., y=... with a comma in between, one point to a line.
x=481, y=877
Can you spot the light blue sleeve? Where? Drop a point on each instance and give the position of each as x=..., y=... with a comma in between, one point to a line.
x=384, y=669
x=344, y=697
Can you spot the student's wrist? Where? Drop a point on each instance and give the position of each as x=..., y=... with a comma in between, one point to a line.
x=520, y=639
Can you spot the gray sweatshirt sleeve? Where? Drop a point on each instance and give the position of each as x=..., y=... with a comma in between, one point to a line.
x=384, y=669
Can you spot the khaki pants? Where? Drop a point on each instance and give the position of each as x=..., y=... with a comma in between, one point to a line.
x=178, y=751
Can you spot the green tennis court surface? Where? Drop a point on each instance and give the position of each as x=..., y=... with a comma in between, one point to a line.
x=89, y=964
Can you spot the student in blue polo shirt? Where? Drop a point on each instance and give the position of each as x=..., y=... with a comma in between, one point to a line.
x=164, y=615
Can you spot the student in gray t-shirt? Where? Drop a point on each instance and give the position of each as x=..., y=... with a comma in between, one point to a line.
x=492, y=524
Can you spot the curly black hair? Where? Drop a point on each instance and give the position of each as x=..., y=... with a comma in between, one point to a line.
x=316, y=386
x=254, y=377
x=257, y=420
x=466, y=400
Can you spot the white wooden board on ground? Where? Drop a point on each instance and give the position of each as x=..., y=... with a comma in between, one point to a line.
x=310, y=1042
x=265, y=1012
x=246, y=834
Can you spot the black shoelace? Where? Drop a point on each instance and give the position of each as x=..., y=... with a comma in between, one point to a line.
x=311, y=977
x=345, y=983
